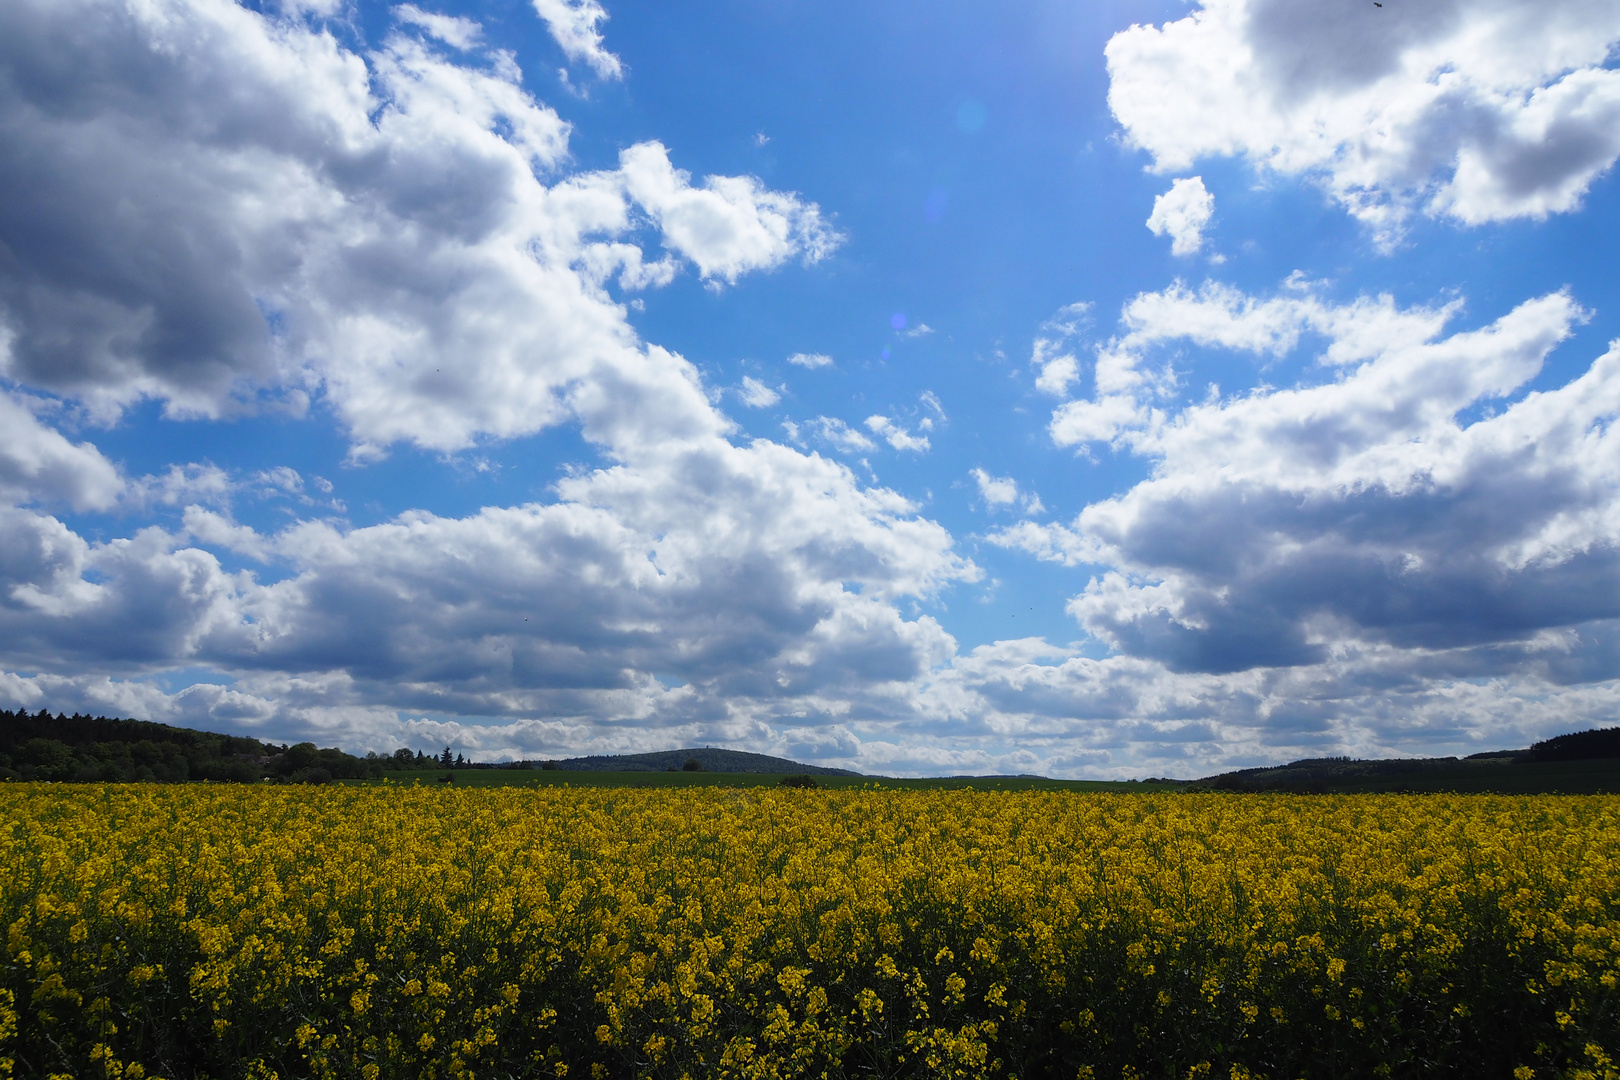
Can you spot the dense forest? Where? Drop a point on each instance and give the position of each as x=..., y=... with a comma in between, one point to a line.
x=1597, y=744
x=40, y=746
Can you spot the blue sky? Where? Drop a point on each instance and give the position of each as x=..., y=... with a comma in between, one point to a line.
x=1088, y=389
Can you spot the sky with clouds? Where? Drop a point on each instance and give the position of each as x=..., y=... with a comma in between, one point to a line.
x=1097, y=390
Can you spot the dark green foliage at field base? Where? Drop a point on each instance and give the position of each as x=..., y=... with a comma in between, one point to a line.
x=1583, y=763
x=97, y=749
x=1598, y=744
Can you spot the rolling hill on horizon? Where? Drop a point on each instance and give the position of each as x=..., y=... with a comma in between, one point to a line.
x=96, y=748
x=712, y=759
x=1579, y=762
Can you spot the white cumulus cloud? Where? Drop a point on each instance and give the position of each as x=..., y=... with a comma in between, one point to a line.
x=995, y=490
x=896, y=435
x=835, y=433
x=38, y=464
x=728, y=226
x=1052, y=356
x=574, y=26
x=453, y=30
x=244, y=213
x=1002, y=491
x=1367, y=510
x=1476, y=110
x=318, y=221
x=1181, y=213
x=756, y=395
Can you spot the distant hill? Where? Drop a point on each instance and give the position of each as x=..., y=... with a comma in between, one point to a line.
x=1325, y=773
x=1594, y=745
x=42, y=746
x=1580, y=762
x=711, y=760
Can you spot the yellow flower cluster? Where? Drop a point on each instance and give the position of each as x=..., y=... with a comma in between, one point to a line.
x=235, y=932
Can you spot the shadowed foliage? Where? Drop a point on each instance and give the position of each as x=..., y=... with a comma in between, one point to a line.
x=99, y=749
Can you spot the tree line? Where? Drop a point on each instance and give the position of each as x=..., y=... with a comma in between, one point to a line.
x=406, y=758
x=98, y=749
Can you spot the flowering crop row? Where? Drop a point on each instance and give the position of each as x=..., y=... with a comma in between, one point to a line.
x=234, y=933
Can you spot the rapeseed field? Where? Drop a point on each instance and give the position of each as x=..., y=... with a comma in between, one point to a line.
x=237, y=932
